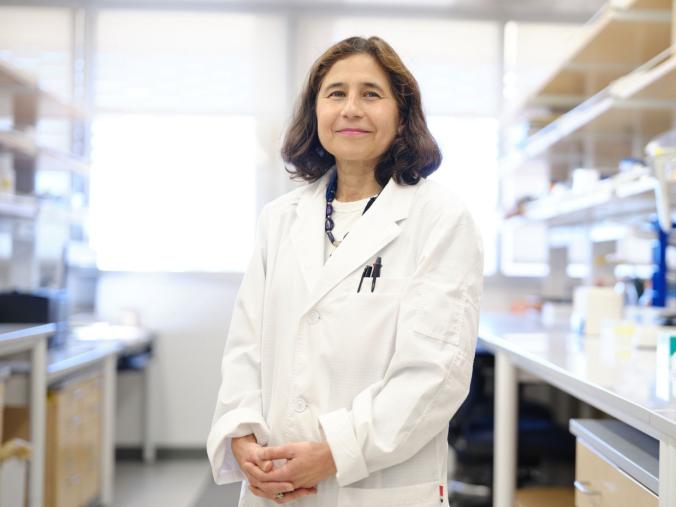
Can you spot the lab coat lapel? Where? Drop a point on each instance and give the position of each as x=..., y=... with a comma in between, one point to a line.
x=307, y=236
x=371, y=233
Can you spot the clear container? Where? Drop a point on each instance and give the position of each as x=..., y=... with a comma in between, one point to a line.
x=7, y=175
x=661, y=154
x=662, y=149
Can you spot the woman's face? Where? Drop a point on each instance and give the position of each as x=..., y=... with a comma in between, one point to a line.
x=357, y=115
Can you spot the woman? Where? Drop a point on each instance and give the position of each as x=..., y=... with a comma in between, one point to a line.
x=353, y=334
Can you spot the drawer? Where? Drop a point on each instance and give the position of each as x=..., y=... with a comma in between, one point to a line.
x=600, y=484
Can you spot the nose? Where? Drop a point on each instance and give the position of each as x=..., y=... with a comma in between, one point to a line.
x=351, y=106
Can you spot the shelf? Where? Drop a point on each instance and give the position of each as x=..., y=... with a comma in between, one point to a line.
x=14, y=82
x=609, y=200
x=644, y=102
x=15, y=206
x=59, y=212
x=615, y=41
x=47, y=159
x=31, y=208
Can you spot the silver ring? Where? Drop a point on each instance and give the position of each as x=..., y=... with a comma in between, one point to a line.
x=279, y=496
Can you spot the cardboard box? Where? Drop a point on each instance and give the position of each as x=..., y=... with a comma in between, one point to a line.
x=14, y=456
x=545, y=496
x=2, y=404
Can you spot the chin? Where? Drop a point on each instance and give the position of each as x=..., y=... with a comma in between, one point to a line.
x=351, y=156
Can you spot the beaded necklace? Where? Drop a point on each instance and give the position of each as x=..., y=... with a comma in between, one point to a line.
x=330, y=196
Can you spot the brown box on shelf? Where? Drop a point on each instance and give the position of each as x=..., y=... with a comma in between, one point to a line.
x=2, y=405
x=15, y=423
x=545, y=495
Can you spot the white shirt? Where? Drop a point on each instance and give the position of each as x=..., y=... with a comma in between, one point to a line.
x=344, y=215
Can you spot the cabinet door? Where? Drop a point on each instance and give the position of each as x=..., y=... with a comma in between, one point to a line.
x=74, y=438
x=600, y=484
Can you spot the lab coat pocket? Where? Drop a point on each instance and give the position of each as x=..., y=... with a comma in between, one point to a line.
x=417, y=495
x=365, y=324
x=393, y=286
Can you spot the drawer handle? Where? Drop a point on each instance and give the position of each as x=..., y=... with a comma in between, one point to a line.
x=584, y=489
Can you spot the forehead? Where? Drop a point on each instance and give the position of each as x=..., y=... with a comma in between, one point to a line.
x=356, y=69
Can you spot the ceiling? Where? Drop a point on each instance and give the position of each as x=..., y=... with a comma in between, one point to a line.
x=547, y=10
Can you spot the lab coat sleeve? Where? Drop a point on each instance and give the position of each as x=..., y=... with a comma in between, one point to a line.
x=239, y=407
x=428, y=376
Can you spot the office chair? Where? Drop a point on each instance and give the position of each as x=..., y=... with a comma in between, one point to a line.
x=471, y=437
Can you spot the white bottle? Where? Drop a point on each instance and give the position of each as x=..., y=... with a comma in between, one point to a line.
x=7, y=175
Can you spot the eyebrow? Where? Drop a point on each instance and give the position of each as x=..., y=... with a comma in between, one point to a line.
x=366, y=84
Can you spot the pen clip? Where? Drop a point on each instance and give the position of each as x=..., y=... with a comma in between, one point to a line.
x=376, y=272
x=365, y=274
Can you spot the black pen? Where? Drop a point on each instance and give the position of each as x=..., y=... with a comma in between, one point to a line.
x=365, y=274
x=376, y=272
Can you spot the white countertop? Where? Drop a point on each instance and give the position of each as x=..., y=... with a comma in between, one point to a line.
x=621, y=382
x=17, y=337
x=87, y=345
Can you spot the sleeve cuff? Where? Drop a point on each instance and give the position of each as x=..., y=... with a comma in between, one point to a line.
x=350, y=464
x=235, y=423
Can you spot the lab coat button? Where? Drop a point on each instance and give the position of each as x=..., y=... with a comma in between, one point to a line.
x=301, y=405
x=314, y=317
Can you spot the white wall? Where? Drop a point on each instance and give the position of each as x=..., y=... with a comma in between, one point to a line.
x=190, y=314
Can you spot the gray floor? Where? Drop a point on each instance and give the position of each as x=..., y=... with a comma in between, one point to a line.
x=170, y=483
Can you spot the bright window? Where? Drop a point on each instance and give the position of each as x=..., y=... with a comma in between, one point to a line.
x=469, y=170
x=185, y=108
x=173, y=193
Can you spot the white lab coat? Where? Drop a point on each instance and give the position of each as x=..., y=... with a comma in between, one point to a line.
x=376, y=374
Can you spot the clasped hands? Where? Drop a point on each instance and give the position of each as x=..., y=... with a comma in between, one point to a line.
x=307, y=464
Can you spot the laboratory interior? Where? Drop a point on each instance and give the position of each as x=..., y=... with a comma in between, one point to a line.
x=140, y=141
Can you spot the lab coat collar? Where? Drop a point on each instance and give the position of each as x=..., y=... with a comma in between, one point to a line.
x=370, y=233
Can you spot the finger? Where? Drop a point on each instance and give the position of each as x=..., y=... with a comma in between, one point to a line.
x=285, y=473
x=294, y=495
x=258, y=477
x=257, y=491
x=262, y=493
x=279, y=452
x=262, y=464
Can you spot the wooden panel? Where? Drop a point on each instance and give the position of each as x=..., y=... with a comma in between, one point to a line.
x=74, y=465
x=651, y=5
x=549, y=496
x=609, y=485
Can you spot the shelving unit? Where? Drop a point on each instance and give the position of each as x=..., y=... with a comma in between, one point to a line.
x=25, y=102
x=608, y=201
x=613, y=93
x=14, y=81
x=15, y=206
x=641, y=103
x=622, y=36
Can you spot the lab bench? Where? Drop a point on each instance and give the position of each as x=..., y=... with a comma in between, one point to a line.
x=90, y=348
x=623, y=385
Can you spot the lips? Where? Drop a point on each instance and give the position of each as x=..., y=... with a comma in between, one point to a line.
x=353, y=131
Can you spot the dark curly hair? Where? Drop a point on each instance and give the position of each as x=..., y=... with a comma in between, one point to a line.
x=413, y=153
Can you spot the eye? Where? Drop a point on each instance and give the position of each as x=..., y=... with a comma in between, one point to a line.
x=372, y=95
x=336, y=93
